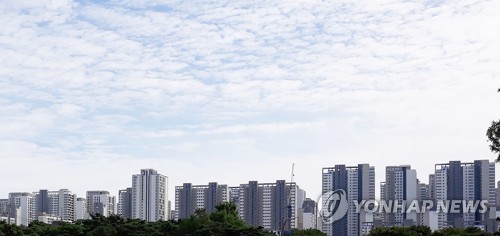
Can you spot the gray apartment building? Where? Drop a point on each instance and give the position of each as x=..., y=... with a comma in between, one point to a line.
x=358, y=182
x=190, y=197
x=470, y=181
x=274, y=206
x=4, y=207
x=125, y=203
x=100, y=202
x=400, y=187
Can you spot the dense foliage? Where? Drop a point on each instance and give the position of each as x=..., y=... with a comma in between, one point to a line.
x=307, y=232
x=426, y=231
x=493, y=134
x=223, y=222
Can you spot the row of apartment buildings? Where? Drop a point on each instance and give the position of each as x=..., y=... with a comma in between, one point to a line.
x=146, y=199
x=282, y=205
x=275, y=206
x=22, y=207
x=462, y=181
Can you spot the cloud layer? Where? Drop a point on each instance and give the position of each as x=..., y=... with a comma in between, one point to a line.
x=232, y=91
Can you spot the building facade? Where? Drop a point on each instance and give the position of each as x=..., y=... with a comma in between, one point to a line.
x=274, y=206
x=358, y=183
x=149, y=196
x=471, y=181
x=100, y=202
x=81, y=209
x=190, y=197
x=125, y=203
x=400, y=188
x=309, y=214
x=4, y=207
x=59, y=203
x=21, y=208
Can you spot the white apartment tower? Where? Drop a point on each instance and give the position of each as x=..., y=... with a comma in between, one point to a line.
x=81, y=209
x=66, y=204
x=149, y=196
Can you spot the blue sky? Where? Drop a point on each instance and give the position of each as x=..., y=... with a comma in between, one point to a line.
x=233, y=91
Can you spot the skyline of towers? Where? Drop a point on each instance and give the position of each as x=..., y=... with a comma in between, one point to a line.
x=279, y=205
x=25, y=207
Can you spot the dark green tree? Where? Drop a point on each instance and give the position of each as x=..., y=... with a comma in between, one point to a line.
x=307, y=232
x=103, y=230
x=469, y=231
x=426, y=231
x=401, y=231
x=493, y=134
x=9, y=229
x=223, y=222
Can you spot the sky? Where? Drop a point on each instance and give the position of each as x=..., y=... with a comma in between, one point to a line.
x=232, y=91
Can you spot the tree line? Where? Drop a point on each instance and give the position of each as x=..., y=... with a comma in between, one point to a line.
x=426, y=231
x=223, y=222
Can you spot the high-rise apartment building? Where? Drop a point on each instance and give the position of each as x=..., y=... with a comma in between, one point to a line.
x=42, y=201
x=66, y=205
x=100, y=202
x=401, y=189
x=81, y=209
x=190, y=197
x=358, y=183
x=125, y=203
x=382, y=190
x=59, y=203
x=4, y=207
x=274, y=206
x=423, y=191
x=309, y=214
x=21, y=208
x=497, y=201
x=472, y=181
x=432, y=186
x=423, y=194
x=149, y=196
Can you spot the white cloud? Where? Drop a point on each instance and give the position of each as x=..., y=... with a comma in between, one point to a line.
x=258, y=84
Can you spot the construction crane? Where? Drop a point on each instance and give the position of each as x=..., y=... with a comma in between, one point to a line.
x=288, y=218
